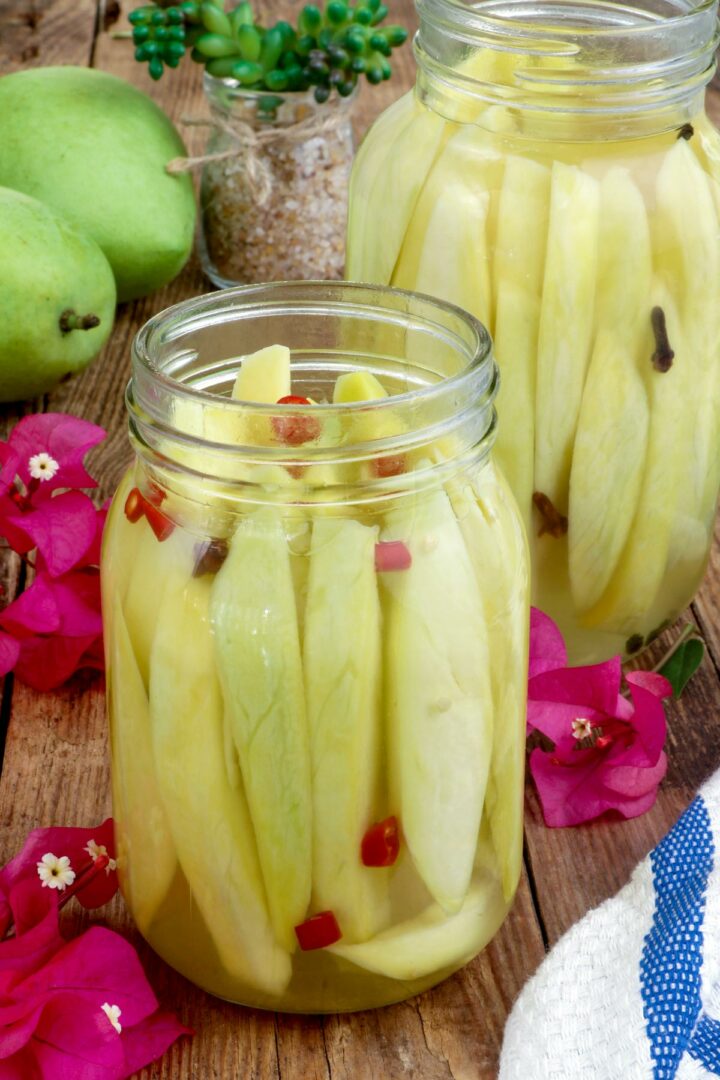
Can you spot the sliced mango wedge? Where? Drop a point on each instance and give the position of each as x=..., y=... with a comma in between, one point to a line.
x=440, y=716
x=567, y=317
x=611, y=439
x=257, y=649
x=208, y=817
x=342, y=663
x=431, y=942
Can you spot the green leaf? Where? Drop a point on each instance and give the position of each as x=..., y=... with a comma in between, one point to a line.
x=683, y=664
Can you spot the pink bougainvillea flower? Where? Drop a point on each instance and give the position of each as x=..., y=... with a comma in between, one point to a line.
x=86, y=1011
x=51, y=448
x=63, y=529
x=82, y=847
x=607, y=750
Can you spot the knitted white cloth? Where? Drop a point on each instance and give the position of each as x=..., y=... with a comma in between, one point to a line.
x=632, y=991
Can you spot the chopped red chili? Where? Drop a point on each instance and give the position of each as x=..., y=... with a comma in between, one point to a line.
x=381, y=843
x=392, y=555
x=160, y=523
x=392, y=465
x=294, y=430
x=134, y=505
x=318, y=931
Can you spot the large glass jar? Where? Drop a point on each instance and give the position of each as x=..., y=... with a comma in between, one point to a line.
x=316, y=633
x=274, y=186
x=554, y=172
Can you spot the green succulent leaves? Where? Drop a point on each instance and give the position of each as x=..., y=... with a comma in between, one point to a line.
x=329, y=49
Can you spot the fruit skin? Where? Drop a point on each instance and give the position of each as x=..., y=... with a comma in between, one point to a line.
x=95, y=148
x=47, y=268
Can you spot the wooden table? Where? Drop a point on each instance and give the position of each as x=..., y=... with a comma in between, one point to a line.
x=55, y=767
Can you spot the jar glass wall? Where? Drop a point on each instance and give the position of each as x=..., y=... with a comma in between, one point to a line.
x=316, y=632
x=554, y=172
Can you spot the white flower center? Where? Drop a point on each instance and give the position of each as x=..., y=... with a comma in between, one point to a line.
x=98, y=851
x=42, y=466
x=113, y=1013
x=582, y=728
x=55, y=873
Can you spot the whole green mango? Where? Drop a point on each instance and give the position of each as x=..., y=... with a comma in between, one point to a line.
x=95, y=148
x=57, y=297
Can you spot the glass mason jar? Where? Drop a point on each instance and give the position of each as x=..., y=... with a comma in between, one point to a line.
x=274, y=190
x=554, y=172
x=316, y=650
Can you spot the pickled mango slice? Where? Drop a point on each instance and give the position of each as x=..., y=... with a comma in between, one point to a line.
x=146, y=578
x=342, y=662
x=412, y=153
x=264, y=376
x=629, y=596
x=431, y=941
x=150, y=859
x=567, y=318
x=518, y=276
x=498, y=552
x=355, y=386
x=439, y=699
x=455, y=214
x=209, y=819
x=257, y=649
x=689, y=261
x=611, y=438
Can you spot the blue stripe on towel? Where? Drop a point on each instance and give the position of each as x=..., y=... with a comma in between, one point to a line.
x=672, y=953
x=705, y=1044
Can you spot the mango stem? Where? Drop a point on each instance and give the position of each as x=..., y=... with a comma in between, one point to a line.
x=70, y=320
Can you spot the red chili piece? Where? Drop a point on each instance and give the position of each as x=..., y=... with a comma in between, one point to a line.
x=135, y=505
x=155, y=494
x=393, y=465
x=160, y=523
x=318, y=931
x=381, y=843
x=392, y=555
x=295, y=430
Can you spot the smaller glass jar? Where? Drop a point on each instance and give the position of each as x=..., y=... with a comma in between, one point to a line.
x=316, y=631
x=274, y=188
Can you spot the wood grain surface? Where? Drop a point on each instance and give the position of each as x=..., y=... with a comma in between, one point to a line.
x=55, y=767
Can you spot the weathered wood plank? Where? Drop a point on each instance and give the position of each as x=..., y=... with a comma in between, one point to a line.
x=43, y=32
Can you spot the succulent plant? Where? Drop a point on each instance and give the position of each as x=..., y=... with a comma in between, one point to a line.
x=329, y=48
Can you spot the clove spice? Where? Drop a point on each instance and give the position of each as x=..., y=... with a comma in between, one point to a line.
x=553, y=522
x=664, y=355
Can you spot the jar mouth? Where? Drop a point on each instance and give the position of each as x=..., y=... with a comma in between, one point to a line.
x=225, y=93
x=573, y=56
x=434, y=359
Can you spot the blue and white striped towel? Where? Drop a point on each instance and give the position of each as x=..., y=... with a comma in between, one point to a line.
x=632, y=991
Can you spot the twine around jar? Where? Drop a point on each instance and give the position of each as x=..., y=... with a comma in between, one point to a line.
x=249, y=144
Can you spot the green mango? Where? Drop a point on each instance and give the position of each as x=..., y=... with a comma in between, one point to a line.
x=257, y=649
x=52, y=276
x=208, y=815
x=438, y=693
x=95, y=148
x=431, y=942
x=611, y=438
x=342, y=662
x=518, y=268
x=565, y=334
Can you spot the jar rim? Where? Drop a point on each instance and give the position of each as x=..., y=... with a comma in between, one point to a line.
x=432, y=331
x=593, y=57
